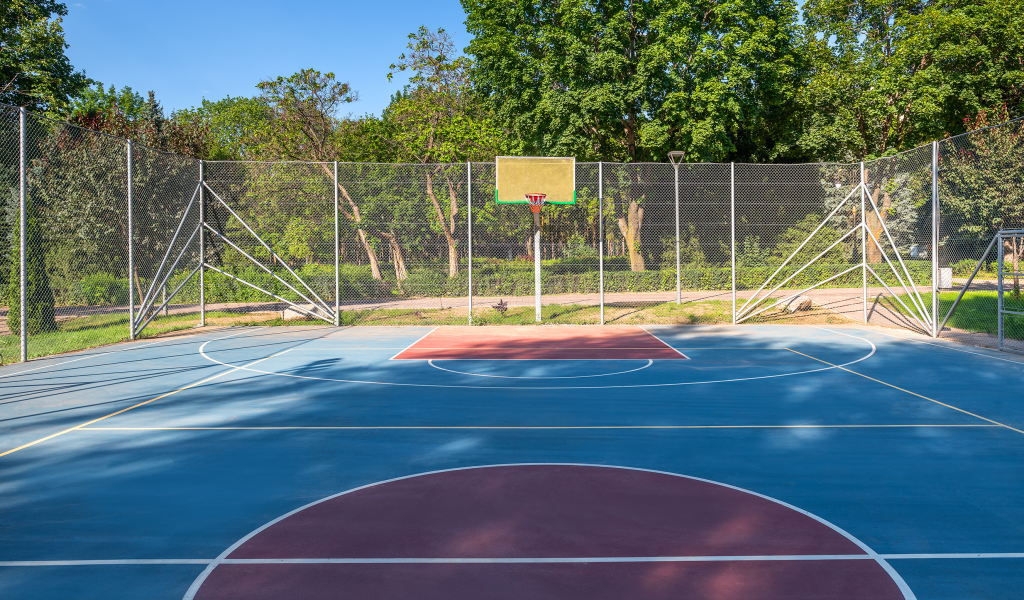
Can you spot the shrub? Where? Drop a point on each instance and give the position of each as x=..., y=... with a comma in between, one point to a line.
x=104, y=289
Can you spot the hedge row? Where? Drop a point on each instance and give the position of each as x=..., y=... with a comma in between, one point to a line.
x=356, y=283
x=509, y=279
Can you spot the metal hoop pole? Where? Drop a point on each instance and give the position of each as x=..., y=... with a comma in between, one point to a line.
x=22, y=237
x=600, y=232
x=536, y=265
x=131, y=250
x=679, y=283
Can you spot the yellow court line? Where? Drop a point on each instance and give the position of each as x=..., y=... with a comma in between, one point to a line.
x=966, y=412
x=181, y=389
x=402, y=427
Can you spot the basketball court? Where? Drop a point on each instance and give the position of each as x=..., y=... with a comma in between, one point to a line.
x=652, y=462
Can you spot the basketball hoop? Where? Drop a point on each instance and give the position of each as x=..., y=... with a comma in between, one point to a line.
x=536, y=201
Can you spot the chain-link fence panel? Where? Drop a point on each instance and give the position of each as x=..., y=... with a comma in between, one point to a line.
x=269, y=235
x=705, y=243
x=76, y=239
x=10, y=191
x=798, y=246
x=656, y=271
x=503, y=268
x=403, y=243
x=898, y=223
x=166, y=234
x=1011, y=300
x=981, y=190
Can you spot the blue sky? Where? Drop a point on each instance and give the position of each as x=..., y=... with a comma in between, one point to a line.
x=188, y=49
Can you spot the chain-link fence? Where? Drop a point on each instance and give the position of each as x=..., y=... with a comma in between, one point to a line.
x=10, y=193
x=981, y=190
x=396, y=244
x=898, y=224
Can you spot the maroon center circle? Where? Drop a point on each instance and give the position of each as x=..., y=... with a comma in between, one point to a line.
x=540, y=512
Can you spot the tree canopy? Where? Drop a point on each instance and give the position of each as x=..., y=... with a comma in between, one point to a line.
x=34, y=71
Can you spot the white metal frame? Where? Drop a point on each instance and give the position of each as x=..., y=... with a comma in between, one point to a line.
x=758, y=303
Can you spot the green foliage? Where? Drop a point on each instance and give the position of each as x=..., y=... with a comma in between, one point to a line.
x=40, y=313
x=126, y=115
x=577, y=248
x=888, y=75
x=104, y=289
x=629, y=81
x=438, y=118
x=34, y=71
x=95, y=101
x=302, y=116
x=234, y=124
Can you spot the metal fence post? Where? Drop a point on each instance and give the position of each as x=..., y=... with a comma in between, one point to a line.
x=732, y=222
x=600, y=233
x=469, y=236
x=999, y=288
x=935, y=239
x=131, y=249
x=202, y=245
x=337, y=254
x=679, y=282
x=863, y=244
x=23, y=241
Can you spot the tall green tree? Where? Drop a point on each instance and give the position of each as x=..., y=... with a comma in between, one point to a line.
x=233, y=123
x=889, y=75
x=440, y=119
x=629, y=81
x=34, y=70
x=40, y=311
x=302, y=123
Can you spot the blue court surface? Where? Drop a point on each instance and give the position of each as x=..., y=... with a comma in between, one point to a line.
x=761, y=462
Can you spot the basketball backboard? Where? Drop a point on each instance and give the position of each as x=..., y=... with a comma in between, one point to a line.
x=517, y=176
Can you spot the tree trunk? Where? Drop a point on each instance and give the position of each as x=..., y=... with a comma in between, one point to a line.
x=354, y=216
x=370, y=254
x=876, y=225
x=453, y=251
x=629, y=225
x=397, y=259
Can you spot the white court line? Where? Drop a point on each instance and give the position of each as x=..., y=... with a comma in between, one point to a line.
x=95, y=563
x=908, y=594
x=592, y=387
x=124, y=410
x=663, y=342
x=431, y=363
x=499, y=560
x=84, y=358
x=416, y=341
x=947, y=346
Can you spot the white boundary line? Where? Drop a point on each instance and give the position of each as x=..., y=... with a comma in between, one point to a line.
x=431, y=363
x=84, y=358
x=948, y=346
x=667, y=345
x=869, y=553
x=502, y=560
x=597, y=387
x=416, y=341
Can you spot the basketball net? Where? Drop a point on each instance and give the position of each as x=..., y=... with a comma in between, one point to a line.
x=536, y=201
